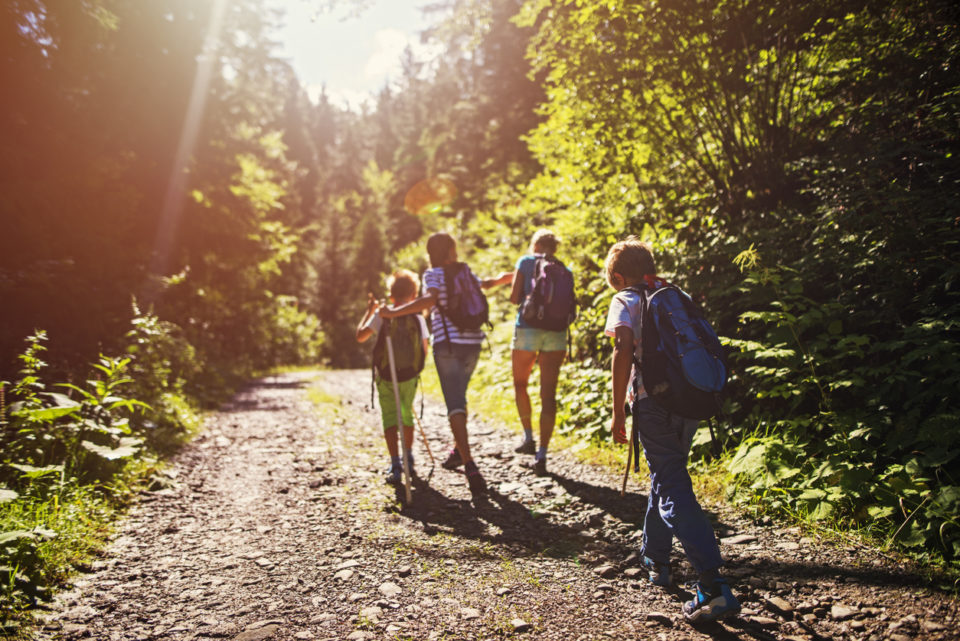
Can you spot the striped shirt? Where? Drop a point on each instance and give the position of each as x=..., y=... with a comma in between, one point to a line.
x=440, y=326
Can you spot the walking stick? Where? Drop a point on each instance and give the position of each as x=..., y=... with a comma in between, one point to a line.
x=423, y=434
x=403, y=441
x=630, y=446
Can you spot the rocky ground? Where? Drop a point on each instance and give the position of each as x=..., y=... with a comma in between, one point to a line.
x=276, y=524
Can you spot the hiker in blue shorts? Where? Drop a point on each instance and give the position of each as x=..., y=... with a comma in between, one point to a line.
x=539, y=337
x=672, y=507
x=403, y=285
x=456, y=338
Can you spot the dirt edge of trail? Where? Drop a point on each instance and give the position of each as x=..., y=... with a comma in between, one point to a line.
x=277, y=525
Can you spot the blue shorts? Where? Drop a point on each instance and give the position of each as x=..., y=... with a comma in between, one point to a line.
x=530, y=339
x=455, y=364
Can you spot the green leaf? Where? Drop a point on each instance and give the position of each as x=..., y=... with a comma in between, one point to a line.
x=110, y=453
x=32, y=473
x=7, y=495
x=6, y=537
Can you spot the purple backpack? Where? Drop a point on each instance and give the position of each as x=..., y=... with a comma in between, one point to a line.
x=466, y=306
x=551, y=303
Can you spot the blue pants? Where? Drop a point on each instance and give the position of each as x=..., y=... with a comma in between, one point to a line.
x=672, y=509
x=455, y=364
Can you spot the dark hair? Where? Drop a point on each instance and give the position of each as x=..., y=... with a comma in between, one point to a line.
x=403, y=284
x=631, y=258
x=438, y=248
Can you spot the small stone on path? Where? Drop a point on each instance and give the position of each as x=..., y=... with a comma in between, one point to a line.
x=470, y=613
x=605, y=571
x=841, y=613
x=660, y=617
x=259, y=634
x=779, y=604
x=519, y=625
x=390, y=589
x=738, y=539
x=343, y=575
x=503, y=591
x=631, y=573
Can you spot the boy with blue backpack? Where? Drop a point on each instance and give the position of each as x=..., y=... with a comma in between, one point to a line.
x=408, y=338
x=458, y=311
x=667, y=360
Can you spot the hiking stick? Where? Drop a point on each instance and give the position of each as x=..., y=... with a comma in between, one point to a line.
x=400, y=431
x=423, y=434
x=626, y=472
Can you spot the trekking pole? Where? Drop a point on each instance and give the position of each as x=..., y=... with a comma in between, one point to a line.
x=626, y=472
x=423, y=434
x=403, y=441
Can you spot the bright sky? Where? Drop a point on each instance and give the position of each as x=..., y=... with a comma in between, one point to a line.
x=352, y=56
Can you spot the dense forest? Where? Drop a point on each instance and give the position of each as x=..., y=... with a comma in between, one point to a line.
x=178, y=212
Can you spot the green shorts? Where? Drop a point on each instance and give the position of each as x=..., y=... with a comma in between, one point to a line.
x=388, y=404
x=530, y=339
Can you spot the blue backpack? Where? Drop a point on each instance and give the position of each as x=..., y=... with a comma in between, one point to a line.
x=551, y=303
x=684, y=368
x=466, y=307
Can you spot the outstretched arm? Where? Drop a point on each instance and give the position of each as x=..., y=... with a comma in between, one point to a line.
x=503, y=278
x=415, y=306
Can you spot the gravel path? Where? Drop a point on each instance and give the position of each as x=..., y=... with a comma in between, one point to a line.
x=276, y=524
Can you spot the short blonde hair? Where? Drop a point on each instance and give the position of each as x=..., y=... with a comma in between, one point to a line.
x=403, y=284
x=631, y=258
x=547, y=241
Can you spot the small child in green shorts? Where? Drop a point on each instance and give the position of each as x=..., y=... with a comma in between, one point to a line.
x=409, y=357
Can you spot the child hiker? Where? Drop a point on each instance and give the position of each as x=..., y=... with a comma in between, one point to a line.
x=458, y=310
x=409, y=341
x=672, y=508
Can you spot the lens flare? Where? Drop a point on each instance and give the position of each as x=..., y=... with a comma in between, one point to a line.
x=429, y=196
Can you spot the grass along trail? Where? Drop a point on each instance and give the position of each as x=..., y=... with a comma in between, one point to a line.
x=277, y=525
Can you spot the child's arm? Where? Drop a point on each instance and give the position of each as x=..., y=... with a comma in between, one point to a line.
x=516, y=293
x=621, y=368
x=500, y=279
x=415, y=306
x=363, y=331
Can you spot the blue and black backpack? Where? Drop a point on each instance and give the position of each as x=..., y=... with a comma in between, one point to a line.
x=684, y=367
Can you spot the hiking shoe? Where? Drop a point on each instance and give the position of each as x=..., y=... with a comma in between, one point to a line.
x=711, y=605
x=453, y=460
x=540, y=467
x=475, y=480
x=394, y=475
x=411, y=468
x=659, y=573
x=527, y=447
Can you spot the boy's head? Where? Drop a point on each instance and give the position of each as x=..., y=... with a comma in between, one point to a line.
x=544, y=242
x=627, y=262
x=403, y=285
x=439, y=248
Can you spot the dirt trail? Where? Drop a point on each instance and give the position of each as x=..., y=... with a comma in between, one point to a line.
x=277, y=525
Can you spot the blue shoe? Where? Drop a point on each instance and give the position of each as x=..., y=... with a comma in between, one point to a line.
x=711, y=605
x=659, y=573
x=394, y=475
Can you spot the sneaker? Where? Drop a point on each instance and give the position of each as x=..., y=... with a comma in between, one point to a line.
x=540, y=467
x=527, y=447
x=394, y=475
x=475, y=481
x=711, y=605
x=659, y=573
x=453, y=460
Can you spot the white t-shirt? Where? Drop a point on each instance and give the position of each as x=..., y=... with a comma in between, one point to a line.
x=625, y=312
x=375, y=323
x=441, y=327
